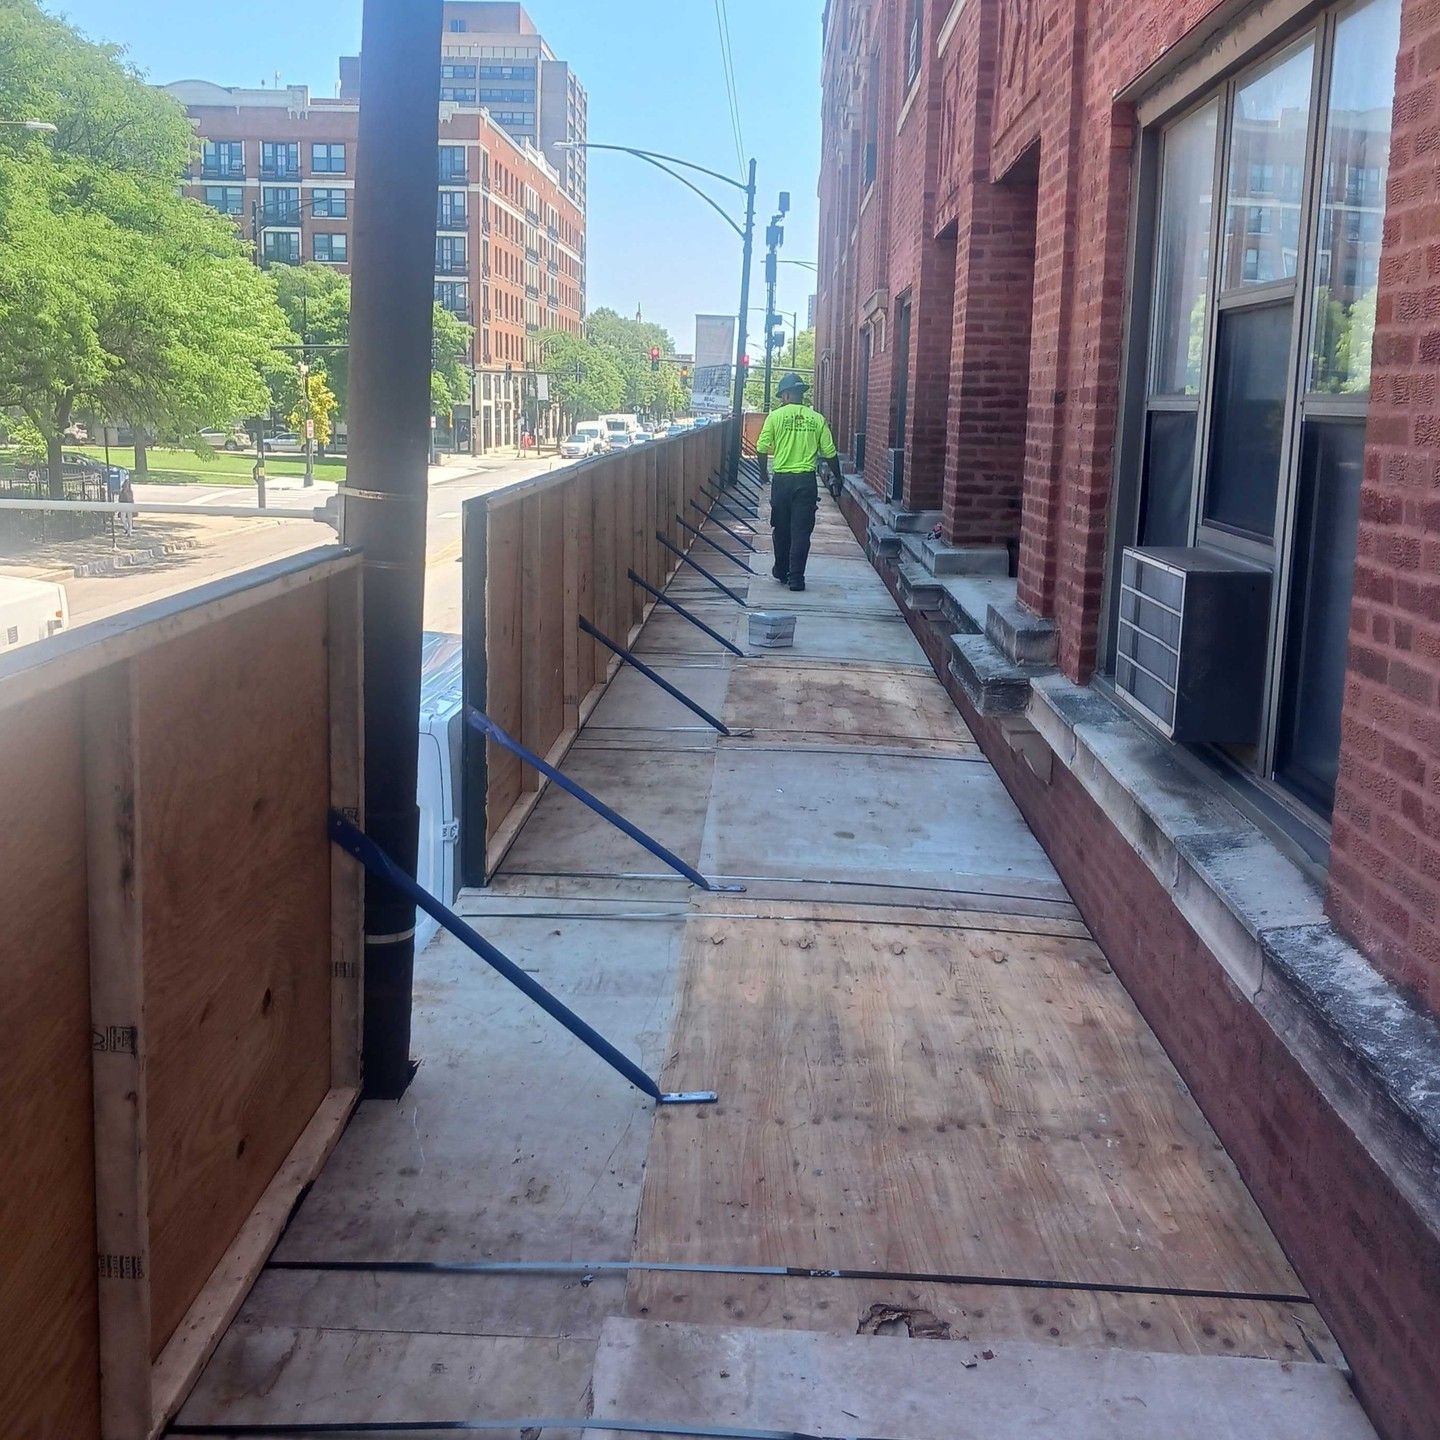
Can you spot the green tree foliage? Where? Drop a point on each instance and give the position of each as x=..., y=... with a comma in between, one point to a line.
x=450, y=374
x=585, y=381
x=117, y=296
x=802, y=362
x=629, y=343
x=321, y=409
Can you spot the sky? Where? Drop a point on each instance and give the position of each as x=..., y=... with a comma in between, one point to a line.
x=654, y=75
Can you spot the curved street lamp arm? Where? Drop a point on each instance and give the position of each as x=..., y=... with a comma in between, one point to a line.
x=654, y=155
x=690, y=185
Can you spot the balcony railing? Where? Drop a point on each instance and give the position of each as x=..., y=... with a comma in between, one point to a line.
x=532, y=254
x=452, y=220
x=553, y=300
x=553, y=266
x=532, y=217
x=287, y=217
x=533, y=291
x=280, y=171
x=218, y=171
x=452, y=266
x=454, y=177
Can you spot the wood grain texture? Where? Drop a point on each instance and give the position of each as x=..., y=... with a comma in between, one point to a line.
x=51, y=1383
x=912, y=1100
x=807, y=705
x=344, y=644
x=116, y=885
x=504, y=662
x=234, y=750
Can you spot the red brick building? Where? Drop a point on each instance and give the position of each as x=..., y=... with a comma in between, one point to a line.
x=1136, y=306
x=509, y=241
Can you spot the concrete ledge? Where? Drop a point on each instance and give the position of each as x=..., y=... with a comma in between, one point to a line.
x=919, y=589
x=993, y=684
x=881, y=542
x=1371, y=1053
x=946, y=559
x=913, y=522
x=1020, y=634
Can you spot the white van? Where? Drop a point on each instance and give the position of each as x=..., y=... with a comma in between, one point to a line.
x=594, y=432
x=620, y=424
x=30, y=610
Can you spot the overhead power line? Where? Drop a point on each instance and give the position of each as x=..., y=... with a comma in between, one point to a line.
x=727, y=65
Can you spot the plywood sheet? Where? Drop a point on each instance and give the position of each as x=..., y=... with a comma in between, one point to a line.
x=840, y=705
x=922, y=821
x=665, y=793
x=513, y=1141
x=234, y=755
x=981, y=1315
x=914, y=1390
x=911, y=1100
x=47, y=1215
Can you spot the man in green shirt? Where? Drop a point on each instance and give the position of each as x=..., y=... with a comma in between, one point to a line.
x=795, y=435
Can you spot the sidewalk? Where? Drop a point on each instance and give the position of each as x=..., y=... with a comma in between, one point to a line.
x=155, y=538
x=940, y=1116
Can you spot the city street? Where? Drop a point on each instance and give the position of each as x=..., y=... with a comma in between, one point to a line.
x=224, y=546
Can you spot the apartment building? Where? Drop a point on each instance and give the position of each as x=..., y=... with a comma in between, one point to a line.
x=509, y=240
x=1127, y=321
x=492, y=55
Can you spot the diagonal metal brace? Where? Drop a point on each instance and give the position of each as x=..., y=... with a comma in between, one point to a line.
x=700, y=535
x=735, y=535
x=649, y=674
x=735, y=595
x=734, y=514
x=483, y=723
x=663, y=599
x=351, y=839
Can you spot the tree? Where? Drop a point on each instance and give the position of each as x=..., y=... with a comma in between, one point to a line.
x=116, y=294
x=450, y=357
x=315, y=300
x=320, y=409
x=585, y=381
x=801, y=360
x=629, y=343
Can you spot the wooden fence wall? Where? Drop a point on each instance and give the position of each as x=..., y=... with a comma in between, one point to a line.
x=179, y=977
x=538, y=556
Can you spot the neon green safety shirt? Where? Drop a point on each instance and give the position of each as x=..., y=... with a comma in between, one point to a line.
x=795, y=435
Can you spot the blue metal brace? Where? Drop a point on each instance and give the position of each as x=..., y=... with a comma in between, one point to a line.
x=679, y=609
x=735, y=595
x=700, y=535
x=735, y=535
x=351, y=839
x=482, y=722
x=649, y=674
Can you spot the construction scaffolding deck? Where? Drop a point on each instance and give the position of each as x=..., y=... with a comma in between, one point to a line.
x=929, y=1080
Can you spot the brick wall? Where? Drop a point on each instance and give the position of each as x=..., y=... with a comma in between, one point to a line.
x=1364, y=1256
x=1385, y=851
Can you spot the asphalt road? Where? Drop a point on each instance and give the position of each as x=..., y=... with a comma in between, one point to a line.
x=241, y=544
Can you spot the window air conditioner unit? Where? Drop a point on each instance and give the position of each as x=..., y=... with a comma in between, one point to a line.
x=1191, y=642
x=895, y=473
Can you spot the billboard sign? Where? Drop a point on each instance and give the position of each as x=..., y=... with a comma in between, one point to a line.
x=712, y=381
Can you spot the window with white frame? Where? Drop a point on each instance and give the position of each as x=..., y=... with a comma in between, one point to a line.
x=1268, y=206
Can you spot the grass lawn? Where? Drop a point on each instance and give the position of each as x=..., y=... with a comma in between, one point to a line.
x=185, y=467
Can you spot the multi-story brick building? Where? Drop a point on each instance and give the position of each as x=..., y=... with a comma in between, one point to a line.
x=509, y=241
x=1134, y=303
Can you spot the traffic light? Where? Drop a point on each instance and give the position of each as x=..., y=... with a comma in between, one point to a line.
x=684, y=374
x=744, y=362
x=654, y=359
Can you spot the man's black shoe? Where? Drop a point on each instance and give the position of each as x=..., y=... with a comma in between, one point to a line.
x=798, y=584
x=779, y=574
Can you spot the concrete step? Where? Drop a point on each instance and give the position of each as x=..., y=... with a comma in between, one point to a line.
x=939, y=1389
x=994, y=684
x=1021, y=635
x=946, y=559
x=881, y=542
x=919, y=589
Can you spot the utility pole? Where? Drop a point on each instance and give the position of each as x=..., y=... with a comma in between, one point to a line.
x=774, y=239
x=737, y=427
x=385, y=493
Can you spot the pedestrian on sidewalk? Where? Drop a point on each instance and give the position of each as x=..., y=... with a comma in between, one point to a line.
x=127, y=497
x=796, y=436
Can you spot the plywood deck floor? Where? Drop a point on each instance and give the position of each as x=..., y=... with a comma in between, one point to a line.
x=930, y=1081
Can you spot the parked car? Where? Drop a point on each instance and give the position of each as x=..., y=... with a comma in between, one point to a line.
x=577, y=447
x=231, y=438
x=285, y=443
x=30, y=610
x=35, y=470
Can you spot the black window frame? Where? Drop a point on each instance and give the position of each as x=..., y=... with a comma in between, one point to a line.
x=331, y=194
x=276, y=166
x=329, y=167
x=330, y=237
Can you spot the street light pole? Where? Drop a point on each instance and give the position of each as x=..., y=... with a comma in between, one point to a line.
x=738, y=420
x=747, y=235
x=774, y=238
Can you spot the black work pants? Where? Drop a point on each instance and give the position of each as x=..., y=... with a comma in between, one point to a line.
x=793, y=498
